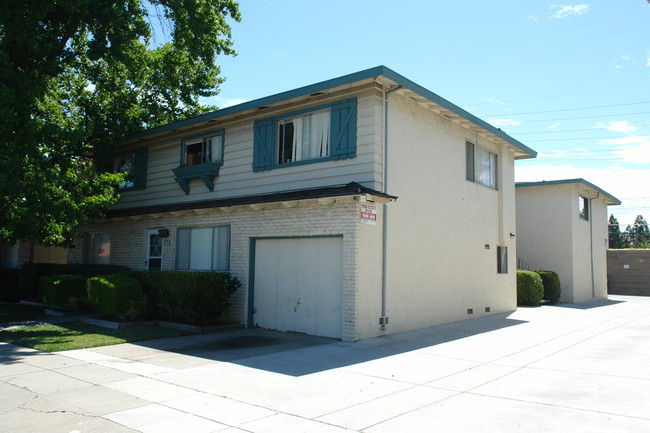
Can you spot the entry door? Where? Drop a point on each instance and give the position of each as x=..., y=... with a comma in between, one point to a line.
x=298, y=285
x=154, y=250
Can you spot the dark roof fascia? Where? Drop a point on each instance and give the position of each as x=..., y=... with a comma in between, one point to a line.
x=335, y=82
x=350, y=189
x=612, y=199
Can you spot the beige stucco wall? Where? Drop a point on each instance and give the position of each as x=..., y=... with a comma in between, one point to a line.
x=552, y=236
x=544, y=232
x=438, y=264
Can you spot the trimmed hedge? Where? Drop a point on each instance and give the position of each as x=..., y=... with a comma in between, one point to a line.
x=188, y=297
x=116, y=295
x=530, y=289
x=30, y=274
x=63, y=291
x=9, y=285
x=552, y=286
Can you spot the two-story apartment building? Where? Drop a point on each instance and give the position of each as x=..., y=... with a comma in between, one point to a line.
x=562, y=226
x=353, y=207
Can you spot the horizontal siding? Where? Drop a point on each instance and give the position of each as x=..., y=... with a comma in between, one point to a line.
x=236, y=177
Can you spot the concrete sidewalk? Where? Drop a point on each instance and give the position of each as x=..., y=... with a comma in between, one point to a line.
x=565, y=368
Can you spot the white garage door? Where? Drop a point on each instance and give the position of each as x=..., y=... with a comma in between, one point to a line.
x=298, y=285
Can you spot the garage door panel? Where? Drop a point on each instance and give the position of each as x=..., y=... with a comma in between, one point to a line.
x=298, y=285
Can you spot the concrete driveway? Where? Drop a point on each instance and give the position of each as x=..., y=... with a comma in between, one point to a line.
x=566, y=368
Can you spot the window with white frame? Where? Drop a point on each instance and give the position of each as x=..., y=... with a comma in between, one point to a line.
x=302, y=137
x=203, y=248
x=202, y=149
x=98, y=248
x=502, y=260
x=482, y=165
x=583, y=207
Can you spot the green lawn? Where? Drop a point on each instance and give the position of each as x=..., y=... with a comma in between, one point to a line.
x=77, y=335
x=11, y=312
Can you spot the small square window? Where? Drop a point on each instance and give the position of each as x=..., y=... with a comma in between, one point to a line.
x=201, y=150
x=481, y=165
x=502, y=260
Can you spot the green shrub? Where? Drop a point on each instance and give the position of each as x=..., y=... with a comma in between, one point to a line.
x=116, y=295
x=529, y=288
x=30, y=274
x=63, y=291
x=552, y=287
x=9, y=285
x=188, y=297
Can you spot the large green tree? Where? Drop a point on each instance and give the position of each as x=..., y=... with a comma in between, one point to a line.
x=79, y=75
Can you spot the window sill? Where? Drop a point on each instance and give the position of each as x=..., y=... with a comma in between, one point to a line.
x=206, y=171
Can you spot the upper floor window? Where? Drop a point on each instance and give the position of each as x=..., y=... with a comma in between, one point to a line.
x=134, y=165
x=304, y=137
x=481, y=165
x=583, y=207
x=202, y=149
x=322, y=133
x=126, y=164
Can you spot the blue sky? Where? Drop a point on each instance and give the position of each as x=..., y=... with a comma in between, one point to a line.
x=568, y=79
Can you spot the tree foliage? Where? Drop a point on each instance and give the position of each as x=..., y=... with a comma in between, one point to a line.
x=638, y=233
x=77, y=76
x=617, y=240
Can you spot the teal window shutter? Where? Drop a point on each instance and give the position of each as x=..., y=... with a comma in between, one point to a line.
x=344, y=129
x=263, y=144
x=140, y=167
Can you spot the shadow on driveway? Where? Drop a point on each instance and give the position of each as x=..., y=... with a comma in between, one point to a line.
x=268, y=350
x=588, y=305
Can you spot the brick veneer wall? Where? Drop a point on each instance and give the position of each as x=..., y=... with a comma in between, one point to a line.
x=628, y=272
x=308, y=218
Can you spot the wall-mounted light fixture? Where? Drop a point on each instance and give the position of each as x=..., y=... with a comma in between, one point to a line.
x=163, y=233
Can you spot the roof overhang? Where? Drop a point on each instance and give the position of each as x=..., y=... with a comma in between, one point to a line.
x=322, y=194
x=377, y=75
x=590, y=190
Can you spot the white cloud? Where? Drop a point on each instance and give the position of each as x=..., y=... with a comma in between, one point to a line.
x=618, y=126
x=634, y=139
x=628, y=185
x=504, y=122
x=564, y=11
x=533, y=18
x=633, y=150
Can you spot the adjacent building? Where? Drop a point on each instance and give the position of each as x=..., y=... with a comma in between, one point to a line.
x=562, y=227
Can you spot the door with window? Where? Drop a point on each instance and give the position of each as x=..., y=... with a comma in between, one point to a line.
x=154, y=250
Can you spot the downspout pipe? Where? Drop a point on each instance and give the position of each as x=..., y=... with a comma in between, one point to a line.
x=591, y=246
x=383, y=319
